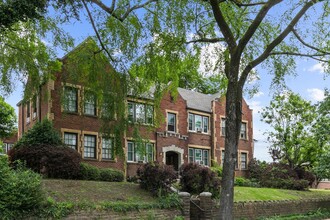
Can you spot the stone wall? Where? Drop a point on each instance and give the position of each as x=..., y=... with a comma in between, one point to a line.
x=204, y=208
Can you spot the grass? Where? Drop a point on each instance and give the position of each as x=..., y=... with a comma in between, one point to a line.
x=99, y=192
x=95, y=192
x=264, y=194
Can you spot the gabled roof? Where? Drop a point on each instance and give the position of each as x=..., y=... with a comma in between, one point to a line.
x=197, y=100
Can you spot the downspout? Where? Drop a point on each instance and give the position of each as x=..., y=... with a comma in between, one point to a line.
x=213, y=133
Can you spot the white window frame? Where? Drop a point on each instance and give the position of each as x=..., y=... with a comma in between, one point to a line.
x=200, y=128
x=91, y=153
x=65, y=139
x=107, y=151
x=146, y=116
x=193, y=156
x=136, y=157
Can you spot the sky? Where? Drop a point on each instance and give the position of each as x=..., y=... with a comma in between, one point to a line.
x=309, y=84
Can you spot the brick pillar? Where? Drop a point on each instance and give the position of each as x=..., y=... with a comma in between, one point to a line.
x=206, y=204
x=185, y=198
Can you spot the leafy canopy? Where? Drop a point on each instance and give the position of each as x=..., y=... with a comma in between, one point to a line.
x=7, y=119
x=291, y=140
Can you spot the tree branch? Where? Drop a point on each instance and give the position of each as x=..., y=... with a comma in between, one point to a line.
x=312, y=56
x=228, y=35
x=111, y=10
x=255, y=24
x=206, y=40
x=239, y=4
x=276, y=41
x=135, y=7
x=96, y=31
x=308, y=45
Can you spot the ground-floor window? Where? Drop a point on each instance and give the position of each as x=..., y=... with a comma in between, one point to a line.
x=200, y=156
x=243, y=161
x=107, y=148
x=70, y=139
x=89, y=146
x=140, y=152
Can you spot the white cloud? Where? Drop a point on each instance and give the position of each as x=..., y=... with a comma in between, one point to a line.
x=259, y=94
x=317, y=68
x=316, y=94
x=255, y=106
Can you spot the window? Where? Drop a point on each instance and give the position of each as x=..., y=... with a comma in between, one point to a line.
x=70, y=99
x=243, y=161
x=171, y=122
x=107, y=147
x=199, y=156
x=89, y=146
x=198, y=123
x=90, y=104
x=243, y=131
x=141, y=113
x=70, y=139
x=34, y=107
x=140, y=152
x=223, y=126
x=222, y=157
x=28, y=112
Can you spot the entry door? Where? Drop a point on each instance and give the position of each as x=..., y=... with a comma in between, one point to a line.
x=172, y=158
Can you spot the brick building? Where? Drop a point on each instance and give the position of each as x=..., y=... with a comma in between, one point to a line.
x=192, y=129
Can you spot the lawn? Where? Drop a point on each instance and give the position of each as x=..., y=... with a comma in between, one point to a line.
x=262, y=194
x=95, y=192
x=98, y=192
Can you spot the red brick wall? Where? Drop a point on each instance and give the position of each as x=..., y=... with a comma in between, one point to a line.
x=50, y=106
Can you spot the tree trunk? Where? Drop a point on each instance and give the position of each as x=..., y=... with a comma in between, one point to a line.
x=233, y=124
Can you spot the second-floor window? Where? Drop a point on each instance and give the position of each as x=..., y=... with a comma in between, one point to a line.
x=140, y=152
x=34, y=107
x=198, y=123
x=243, y=131
x=70, y=99
x=223, y=127
x=28, y=111
x=171, y=122
x=90, y=104
x=140, y=113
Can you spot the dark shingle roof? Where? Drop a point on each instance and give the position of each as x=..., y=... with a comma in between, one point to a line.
x=198, y=101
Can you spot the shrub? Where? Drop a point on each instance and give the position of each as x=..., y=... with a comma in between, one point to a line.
x=291, y=184
x=89, y=172
x=20, y=191
x=42, y=133
x=256, y=168
x=111, y=175
x=196, y=179
x=53, y=162
x=156, y=178
x=217, y=170
x=304, y=174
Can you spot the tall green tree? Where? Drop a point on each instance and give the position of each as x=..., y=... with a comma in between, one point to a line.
x=250, y=33
x=291, y=139
x=7, y=119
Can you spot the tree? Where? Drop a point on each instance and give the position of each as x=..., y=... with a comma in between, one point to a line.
x=7, y=119
x=292, y=142
x=250, y=33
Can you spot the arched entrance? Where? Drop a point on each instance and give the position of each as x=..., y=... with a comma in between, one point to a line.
x=172, y=159
x=173, y=155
